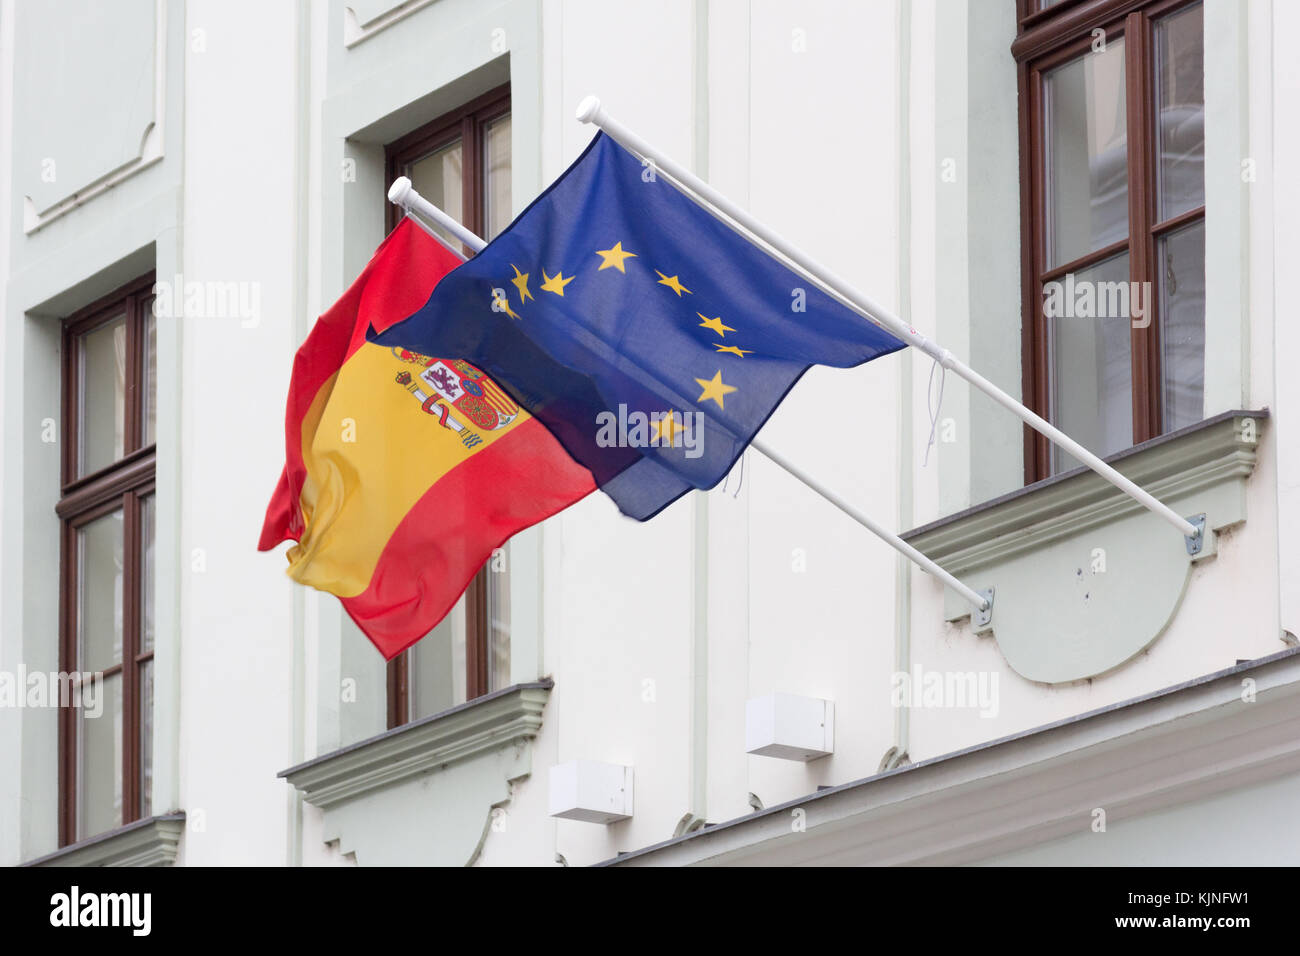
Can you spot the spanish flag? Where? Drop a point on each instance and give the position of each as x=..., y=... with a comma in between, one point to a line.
x=404, y=472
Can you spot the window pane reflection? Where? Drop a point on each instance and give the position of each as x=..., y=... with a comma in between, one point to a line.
x=1087, y=157
x=1181, y=258
x=1092, y=373
x=99, y=766
x=99, y=597
x=438, y=177
x=102, y=396
x=496, y=174
x=150, y=374
x=147, y=573
x=145, y=742
x=498, y=635
x=436, y=670
x=1180, y=108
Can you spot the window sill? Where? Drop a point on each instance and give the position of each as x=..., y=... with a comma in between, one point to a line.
x=1046, y=549
x=425, y=793
x=149, y=842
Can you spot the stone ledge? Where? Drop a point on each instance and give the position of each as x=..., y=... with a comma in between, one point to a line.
x=1170, y=466
x=508, y=716
x=149, y=842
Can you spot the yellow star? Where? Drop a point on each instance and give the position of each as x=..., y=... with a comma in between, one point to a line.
x=733, y=350
x=715, y=324
x=672, y=283
x=503, y=305
x=555, y=283
x=521, y=283
x=666, y=429
x=714, y=389
x=614, y=258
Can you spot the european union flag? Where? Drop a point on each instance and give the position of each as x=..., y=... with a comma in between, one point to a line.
x=651, y=338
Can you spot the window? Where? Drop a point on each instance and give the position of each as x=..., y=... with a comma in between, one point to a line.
x=1113, y=221
x=107, y=515
x=460, y=163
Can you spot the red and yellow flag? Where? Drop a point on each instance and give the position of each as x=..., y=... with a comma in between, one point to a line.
x=403, y=472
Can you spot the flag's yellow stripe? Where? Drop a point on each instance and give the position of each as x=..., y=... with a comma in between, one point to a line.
x=310, y=422
x=371, y=456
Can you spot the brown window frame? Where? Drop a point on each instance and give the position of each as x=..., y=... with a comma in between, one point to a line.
x=467, y=124
x=1049, y=37
x=124, y=484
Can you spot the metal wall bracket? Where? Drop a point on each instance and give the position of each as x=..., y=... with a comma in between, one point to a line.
x=985, y=617
x=1195, y=544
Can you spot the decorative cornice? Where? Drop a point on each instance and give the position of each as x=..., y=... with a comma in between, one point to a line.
x=149, y=842
x=1168, y=748
x=355, y=31
x=479, y=726
x=1208, y=453
x=152, y=143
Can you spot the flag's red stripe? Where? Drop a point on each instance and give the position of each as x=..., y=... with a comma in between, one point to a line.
x=395, y=283
x=517, y=481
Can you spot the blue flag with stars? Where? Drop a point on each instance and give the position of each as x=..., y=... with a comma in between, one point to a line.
x=650, y=338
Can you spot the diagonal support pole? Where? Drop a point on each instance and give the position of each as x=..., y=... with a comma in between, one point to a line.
x=976, y=600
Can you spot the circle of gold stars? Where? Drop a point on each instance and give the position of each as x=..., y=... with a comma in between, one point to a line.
x=713, y=389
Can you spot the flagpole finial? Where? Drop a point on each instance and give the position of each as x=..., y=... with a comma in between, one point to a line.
x=397, y=192
x=588, y=109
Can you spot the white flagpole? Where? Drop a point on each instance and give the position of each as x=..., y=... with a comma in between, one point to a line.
x=589, y=111
x=401, y=193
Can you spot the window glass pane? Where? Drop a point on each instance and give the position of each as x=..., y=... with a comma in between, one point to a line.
x=438, y=178
x=146, y=573
x=1180, y=111
x=99, y=597
x=146, y=739
x=1181, y=261
x=496, y=175
x=436, y=669
x=1089, y=354
x=102, y=397
x=498, y=609
x=99, y=763
x=1087, y=154
x=150, y=373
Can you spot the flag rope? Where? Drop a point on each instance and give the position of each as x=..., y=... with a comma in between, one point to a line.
x=933, y=407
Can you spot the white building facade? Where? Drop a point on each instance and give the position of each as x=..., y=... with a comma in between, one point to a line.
x=186, y=184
